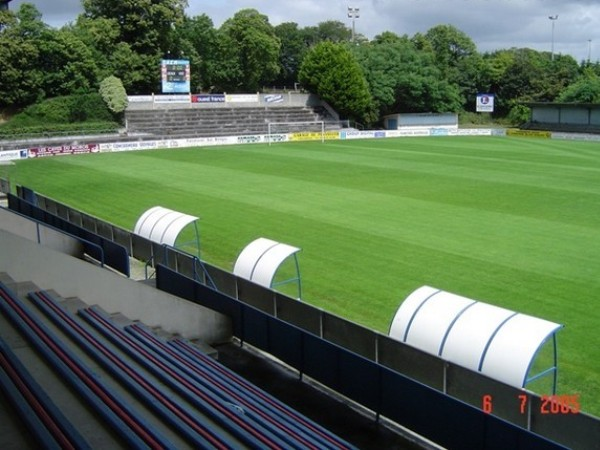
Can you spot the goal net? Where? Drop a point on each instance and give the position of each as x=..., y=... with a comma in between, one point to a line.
x=296, y=131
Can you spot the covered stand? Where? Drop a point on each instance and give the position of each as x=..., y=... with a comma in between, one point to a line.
x=259, y=261
x=496, y=342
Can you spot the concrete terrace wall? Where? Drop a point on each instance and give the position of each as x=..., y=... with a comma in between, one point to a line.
x=42, y=234
x=287, y=99
x=26, y=260
x=207, y=115
x=205, y=122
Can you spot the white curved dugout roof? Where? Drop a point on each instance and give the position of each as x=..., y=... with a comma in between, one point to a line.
x=162, y=225
x=494, y=341
x=260, y=259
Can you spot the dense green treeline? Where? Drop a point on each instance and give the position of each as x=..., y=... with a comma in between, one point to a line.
x=437, y=70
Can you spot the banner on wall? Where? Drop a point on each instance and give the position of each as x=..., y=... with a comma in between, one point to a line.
x=241, y=98
x=11, y=155
x=485, y=103
x=208, y=98
x=140, y=98
x=529, y=133
x=407, y=132
x=174, y=98
x=359, y=134
x=39, y=152
x=313, y=135
x=274, y=98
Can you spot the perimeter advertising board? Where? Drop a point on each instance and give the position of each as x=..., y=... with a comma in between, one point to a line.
x=10, y=155
x=314, y=135
x=208, y=98
x=241, y=98
x=529, y=133
x=61, y=150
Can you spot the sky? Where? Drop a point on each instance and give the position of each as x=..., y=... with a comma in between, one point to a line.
x=491, y=24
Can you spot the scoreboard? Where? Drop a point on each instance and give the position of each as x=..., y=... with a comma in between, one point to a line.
x=175, y=76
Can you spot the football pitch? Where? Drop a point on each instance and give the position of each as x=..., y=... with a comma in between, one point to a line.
x=508, y=221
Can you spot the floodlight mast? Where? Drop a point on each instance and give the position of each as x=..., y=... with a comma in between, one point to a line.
x=353, y=13
x=553, y=18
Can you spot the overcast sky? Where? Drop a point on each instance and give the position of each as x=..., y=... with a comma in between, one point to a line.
x=491, y=24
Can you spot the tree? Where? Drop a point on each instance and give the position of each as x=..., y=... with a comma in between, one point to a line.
x=138, y=72
x=20, y=82
x=331, y=71
x=37, y=61
x=101, y=35
x=29, y=22
x=145, y=25
x=585, y=90
x=196, y=39
x=387, y=37
x=560, y=72
x=293, y=50
x=250, y=51
x=403, y=79
x=334, y=31
x=450, y=46
x=65, y=63
x=144, y=36
x=522, y=75
x=455, y=55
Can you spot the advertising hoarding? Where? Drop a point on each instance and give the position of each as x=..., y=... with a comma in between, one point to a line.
x=485, y=103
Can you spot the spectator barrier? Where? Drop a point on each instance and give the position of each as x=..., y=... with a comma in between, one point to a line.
x=579, y=431
x=425, y=410
x=101, y=249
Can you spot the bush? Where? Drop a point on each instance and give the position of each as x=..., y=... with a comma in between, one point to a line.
x=114, y=94
x=519, y=114
x=16, y=132
x=64, y=110
x=473, y=118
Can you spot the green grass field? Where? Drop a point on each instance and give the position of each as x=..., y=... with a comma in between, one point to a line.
x=508, y=221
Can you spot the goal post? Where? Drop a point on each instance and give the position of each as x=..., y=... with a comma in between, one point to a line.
x=302, y=130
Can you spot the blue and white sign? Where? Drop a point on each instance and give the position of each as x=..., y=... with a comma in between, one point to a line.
x=485, y=103
x=274, y=98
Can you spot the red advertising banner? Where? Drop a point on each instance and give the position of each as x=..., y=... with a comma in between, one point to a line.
x=39, y=152
x=208, y=98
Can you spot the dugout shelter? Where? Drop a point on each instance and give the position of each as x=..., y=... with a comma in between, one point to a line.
x=567, y=117
x=493, y=341
x=163, y=226
x=404, y=121
x=260, y=260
